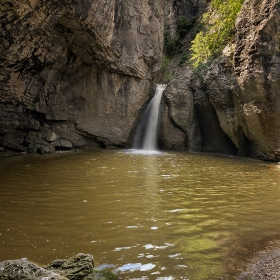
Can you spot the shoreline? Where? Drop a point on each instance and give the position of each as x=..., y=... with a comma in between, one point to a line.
x=264, y=265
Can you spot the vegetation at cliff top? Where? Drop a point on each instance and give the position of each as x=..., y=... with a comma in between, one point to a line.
x=217, y=30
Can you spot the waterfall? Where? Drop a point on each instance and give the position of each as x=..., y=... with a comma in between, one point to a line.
x=147, y=130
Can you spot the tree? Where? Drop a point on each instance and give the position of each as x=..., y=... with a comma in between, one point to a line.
x=217, y=30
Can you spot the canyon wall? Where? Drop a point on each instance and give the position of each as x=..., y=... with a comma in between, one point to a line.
x=76, y=73
x=244, y=88
x=190, y=121
x=257, y=69
x=232, y=106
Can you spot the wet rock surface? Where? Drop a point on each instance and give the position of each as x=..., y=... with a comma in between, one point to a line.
x=78, y=267
x=21, y=269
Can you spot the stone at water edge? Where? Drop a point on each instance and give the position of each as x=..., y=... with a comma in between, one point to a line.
x=23, y=269
x=78, y=267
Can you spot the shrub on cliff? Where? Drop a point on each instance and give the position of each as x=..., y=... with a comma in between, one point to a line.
x=217, y=30
x=184, y=25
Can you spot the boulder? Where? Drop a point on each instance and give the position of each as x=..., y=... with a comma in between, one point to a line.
x=63, y=144
x=36, y=144
x=78, y=267
x=12, y=139
x=23, y=269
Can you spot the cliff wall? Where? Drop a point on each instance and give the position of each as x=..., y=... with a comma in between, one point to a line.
x=244, y=88
x=75, y=73
x=78, y=74
x=257, y=68
x=232, y=106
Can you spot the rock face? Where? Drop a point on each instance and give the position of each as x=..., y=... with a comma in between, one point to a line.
x=20, y=269
x=78, y=74
x=79, y=69
x=257, y=68
x=190, y=121
x=78, y=267
x=236, y=101
x=180, y=127
x=246, y=95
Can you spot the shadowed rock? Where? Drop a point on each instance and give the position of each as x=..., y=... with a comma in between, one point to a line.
x=82, y=68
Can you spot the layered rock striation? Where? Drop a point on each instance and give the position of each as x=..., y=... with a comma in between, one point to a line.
x=257, y=68
x=232, y=106
x=78, y=71
x=79, y=74
x=244, y=88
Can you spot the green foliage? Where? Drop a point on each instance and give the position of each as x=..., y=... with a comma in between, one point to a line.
x=165, y=65
x=31, y=146
x=183, y=58
x=169, y=47
x=166, y=78
x=200, y=49
x=164, y=75
x=165, y=70
x=184, y=25
x=172, y=45
x=105, y=274
x=218, y=30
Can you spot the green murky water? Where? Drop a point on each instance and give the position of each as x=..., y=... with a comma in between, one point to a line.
x=166, y=216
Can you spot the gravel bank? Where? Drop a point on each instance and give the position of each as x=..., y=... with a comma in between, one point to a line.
x=266, y=265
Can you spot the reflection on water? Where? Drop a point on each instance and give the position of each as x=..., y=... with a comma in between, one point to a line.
x=162, y=216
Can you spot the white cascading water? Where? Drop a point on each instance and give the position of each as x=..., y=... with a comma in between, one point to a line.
x=146, y=134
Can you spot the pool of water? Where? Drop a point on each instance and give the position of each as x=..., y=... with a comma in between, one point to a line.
x=164, y=216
